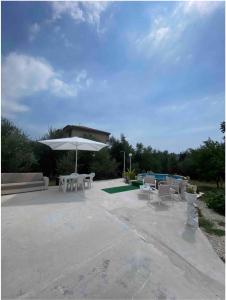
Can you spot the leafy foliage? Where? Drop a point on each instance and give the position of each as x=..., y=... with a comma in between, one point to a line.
x=191, y=189
x=208, y=226
x=130, y=174
x=222, y=127
x=66, y=164
x=104, y=166
x=216, y=200
x=46, y=157
x=20, y=154
x=17, y=150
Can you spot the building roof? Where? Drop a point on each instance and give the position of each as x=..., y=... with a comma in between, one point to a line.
x=68, y=127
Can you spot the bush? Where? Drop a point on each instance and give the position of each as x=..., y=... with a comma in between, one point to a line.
x=216, y=201
x=209, y=227
x=130, y=174
x=103, y=165
x=17, y=150
x=66, y=164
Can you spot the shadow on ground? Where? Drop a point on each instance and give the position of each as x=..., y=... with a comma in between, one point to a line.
x=42, y=199
x=189, y=234
x=159, y=206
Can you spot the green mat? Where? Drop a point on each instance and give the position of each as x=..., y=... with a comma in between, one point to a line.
x=137, y=183
x=119, y=189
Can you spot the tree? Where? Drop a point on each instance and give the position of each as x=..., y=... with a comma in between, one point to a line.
x=21, y=154
x=46, y=157
x=117, y=147
x=210, y=161
x=222, y=127
x=103, y=165
x=17, y=150
x=66, y=164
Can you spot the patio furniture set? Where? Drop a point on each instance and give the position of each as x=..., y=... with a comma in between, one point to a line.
x=165, y=189
x=74, y=181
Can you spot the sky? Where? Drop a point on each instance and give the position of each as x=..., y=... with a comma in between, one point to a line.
x=153, y=71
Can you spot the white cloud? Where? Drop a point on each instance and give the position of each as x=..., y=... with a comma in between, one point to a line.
x=166, y=31
x=155, y=37
x=89, y=12
x=160, y=34
x=33, y=31
x=23, y=76
x=203, y=8
x=79, y=11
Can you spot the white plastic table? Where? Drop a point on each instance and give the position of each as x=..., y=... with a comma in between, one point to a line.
x=65, y=179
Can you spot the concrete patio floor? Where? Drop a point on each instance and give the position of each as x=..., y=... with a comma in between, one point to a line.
x=96, y=245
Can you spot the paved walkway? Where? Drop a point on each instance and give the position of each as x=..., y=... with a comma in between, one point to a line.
x=97, y=245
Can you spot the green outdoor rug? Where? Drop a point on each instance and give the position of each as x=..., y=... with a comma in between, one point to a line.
x=119, y=189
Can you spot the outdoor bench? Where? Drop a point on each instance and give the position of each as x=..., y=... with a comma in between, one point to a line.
x=13, y=183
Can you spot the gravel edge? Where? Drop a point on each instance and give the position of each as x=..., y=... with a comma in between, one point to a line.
x=217, y=242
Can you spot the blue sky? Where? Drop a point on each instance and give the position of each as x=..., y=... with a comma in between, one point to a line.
x=151, y=70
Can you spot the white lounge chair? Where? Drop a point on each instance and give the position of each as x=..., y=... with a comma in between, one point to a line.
x=150, y=180
x=164, y=191
x=147, y=189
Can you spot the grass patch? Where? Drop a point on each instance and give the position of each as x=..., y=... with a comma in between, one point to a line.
x=137, y=183
x=218, y=232
x=221, y=223
x=215, y=200
x=199, y=212
x=208, y=226
x=213, y=197
x=204, y=186
x=119, y=189
x=205, y=223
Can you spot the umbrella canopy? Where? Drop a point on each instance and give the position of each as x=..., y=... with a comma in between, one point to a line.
x=74, y=143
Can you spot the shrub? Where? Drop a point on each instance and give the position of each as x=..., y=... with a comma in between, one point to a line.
x=216, y=201
x=66, y=164
x=209, y=227
x=103, y=165
x=130, y=174
x=17, y=151
x=191, y=189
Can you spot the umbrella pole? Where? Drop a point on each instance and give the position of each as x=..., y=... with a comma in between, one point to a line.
x=76, y=159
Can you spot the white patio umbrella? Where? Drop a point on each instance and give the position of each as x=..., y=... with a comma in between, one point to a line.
x=74, y=143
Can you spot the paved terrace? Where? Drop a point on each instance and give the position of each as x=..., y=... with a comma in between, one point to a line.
x=96, y=245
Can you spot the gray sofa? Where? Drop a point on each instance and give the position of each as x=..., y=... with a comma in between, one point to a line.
x=13, y=183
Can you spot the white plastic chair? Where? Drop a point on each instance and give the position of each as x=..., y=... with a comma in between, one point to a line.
x=89, y=180
x=76, y=174
x=61, y=183
x=64, y=183
x=74, y=179
x=80, y=182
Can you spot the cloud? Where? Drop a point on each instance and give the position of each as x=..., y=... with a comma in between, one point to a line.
x=202, y=8
x=81, y=12
x=166, y=30
x=155, y=37
x=33, y=31
x=23, y=76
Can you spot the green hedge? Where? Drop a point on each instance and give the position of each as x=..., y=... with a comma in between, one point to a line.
x=216, y=200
